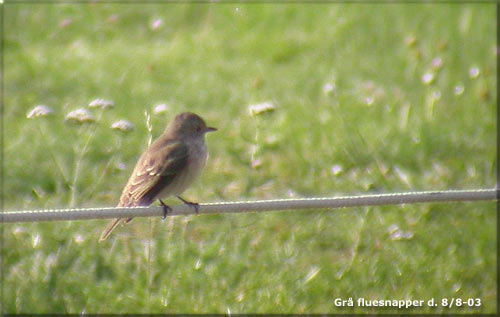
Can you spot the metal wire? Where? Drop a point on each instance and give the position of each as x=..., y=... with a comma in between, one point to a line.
x=252, y=206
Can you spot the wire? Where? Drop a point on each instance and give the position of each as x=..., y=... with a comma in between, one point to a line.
x=252, y=206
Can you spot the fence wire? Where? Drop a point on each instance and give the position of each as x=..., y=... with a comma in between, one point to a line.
x=252, y=206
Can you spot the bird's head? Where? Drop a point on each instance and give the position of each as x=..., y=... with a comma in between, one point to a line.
x=188, y=124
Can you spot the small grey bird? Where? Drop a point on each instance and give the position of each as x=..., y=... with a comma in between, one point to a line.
x=167, y=167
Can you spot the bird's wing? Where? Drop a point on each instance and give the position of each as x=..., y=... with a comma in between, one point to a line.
x=155, y=170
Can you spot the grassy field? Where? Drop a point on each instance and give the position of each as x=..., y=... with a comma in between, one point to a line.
x=367, y=99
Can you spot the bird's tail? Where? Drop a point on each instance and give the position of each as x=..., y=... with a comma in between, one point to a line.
x=109, y=228
x=112, y=225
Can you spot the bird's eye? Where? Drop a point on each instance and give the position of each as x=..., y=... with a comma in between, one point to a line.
x=198, y=129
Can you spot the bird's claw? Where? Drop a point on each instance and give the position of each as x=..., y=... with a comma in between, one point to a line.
x=196, y=206
x=166, y=209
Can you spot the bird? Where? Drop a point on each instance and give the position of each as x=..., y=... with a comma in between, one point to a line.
x=167, y=168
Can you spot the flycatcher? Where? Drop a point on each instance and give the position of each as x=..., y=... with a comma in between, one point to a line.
x=167, y=167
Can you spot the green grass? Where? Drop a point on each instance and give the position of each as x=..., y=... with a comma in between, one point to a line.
x=384, y=128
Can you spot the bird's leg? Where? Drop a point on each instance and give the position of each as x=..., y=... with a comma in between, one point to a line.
x=196, y=206
x=166, y=209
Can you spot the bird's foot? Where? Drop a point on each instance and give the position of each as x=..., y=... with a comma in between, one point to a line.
x=166, y=209
x=196, y=206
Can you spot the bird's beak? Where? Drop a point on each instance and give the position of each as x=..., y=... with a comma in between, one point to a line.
x=210, y=129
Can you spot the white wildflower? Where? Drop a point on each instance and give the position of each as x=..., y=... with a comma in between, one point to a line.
x=157, y=23
x=122, y=125
x=428, y=78
x=474, y=72
x=260, y=108
x=80, y=115
x=40, y=111
x=459, y=89
x=328, y=88
x=336, y=169
x=101, y=103
x=437, y=62
x=161, y=108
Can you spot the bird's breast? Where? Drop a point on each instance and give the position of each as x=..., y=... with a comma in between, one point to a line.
x=197, y=157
